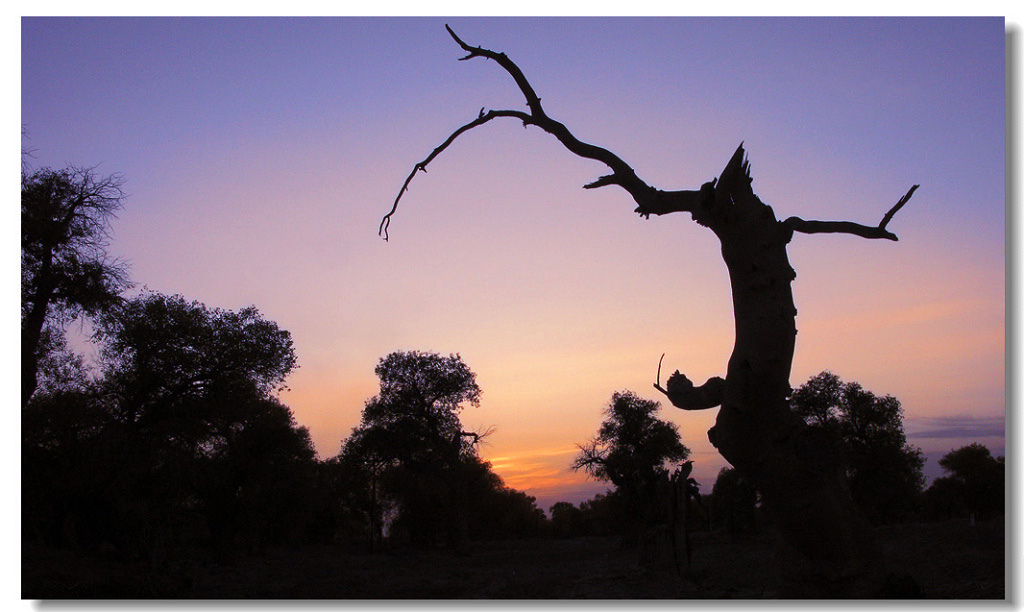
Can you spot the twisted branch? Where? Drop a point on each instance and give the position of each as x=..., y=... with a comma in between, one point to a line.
x=649, y=200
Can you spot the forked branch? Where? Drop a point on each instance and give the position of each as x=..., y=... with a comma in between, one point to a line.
x=649, y=200
x=848, y=227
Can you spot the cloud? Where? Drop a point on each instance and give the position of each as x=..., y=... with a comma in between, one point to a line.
x=958, y=427
x=537, y=469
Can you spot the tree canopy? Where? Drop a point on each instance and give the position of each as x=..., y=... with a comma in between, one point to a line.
x=883, y=470
x=421, y=396
x=65, y=268
x=632, y=445
x=188, y=370
x=975, y=483
x=411, y=448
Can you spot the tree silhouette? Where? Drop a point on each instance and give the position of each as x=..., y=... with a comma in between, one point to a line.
x=883, y=471
x=975, y=483
x=825, y=539
x=411, y=443
x=631, y=450
x=632, y=445
x=65, y=268
x=180, y=370
x=180, y=443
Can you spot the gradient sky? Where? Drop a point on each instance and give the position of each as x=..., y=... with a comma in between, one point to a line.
x=260, y=155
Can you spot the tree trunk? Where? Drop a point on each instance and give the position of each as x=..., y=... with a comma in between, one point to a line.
x=32, y=328
x=827, y=549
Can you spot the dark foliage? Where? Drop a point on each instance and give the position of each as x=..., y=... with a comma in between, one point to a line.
x=883, y=471
x=179, y=445
x=633, y=445
x=414, y=472
x=65, y=268
x=632, y=450
x=975, y=484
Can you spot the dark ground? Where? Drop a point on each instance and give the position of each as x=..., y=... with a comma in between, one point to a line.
x=949, y=560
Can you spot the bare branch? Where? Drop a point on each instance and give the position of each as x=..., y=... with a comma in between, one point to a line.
x=532, y=100
x=684, y=395
x=896, y=207
x=422, y=166
x=592, y=459
x=657, y=380
x=848, y=227
x=649, y=200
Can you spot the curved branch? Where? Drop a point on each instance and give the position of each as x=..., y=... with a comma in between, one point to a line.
x=422, y=166
x=797, y=224
x=684, y=395
x=649, y=200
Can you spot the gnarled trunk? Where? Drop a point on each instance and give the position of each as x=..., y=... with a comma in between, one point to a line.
x=828, y=550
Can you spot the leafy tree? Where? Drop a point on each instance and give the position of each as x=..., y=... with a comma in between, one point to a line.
x=882, y=469
x=975, y=483
x=411, y=439
x=182, y=436
x=187, y=373
x=631, y=450
x=632, y=445
x=65, y=268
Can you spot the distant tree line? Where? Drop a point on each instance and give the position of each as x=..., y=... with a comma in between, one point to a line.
x=174, y=442
x=883, y=472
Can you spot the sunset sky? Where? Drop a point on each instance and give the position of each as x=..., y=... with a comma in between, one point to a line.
x=260, y=155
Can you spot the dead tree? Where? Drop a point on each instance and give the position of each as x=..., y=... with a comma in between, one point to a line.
x=826, y=549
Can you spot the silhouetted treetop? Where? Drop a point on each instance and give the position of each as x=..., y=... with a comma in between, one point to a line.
x=975, y=483
x=884, y=471
x=186, y=347
x=65, y=268
x=968, y=462
x=173, y=363
x=422, y=389
x=632, y=445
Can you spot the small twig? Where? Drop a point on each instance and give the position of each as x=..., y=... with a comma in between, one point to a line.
x=895, y=209
x=657, y=381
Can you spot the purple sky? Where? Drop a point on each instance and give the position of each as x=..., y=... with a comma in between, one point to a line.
x=260, y=154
